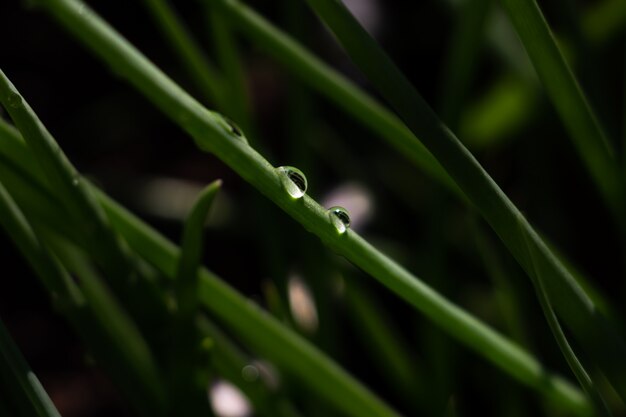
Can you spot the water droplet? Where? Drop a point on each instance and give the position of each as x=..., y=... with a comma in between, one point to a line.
x=234, y=129
x=81, y=9
x=75, y=181
x=14, y=100
x=230, y=126
x=293, y=181
x=340, y=218
x=250, y=373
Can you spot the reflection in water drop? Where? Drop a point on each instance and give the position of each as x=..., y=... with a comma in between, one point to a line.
x=355, y=198
x=340, y=218
x=229, y=126
x=234, y=129
x=293, y=181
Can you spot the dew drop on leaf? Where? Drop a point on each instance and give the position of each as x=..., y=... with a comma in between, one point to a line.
x=293, y=181
x=340, y=218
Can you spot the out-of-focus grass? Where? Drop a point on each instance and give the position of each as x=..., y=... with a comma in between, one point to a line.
x=155, y=318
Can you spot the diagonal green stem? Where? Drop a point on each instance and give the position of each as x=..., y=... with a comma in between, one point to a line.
x=205, y=76
x=262, y=332
x=593, y=331
x=574, y=363
x=124, y=359
x=16, y=378
x=251, y=166
x=570, y=102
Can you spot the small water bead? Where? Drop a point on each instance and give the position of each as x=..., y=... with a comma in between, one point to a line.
x=340, y=218
x=230, y=126
x=293, y=180
x=234, y=129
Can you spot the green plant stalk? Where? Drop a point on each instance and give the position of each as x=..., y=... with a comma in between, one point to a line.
x=254, y=326
x=10, y=144
x=257, y=328
x=206, y=78
x=505, y=292
x=588, y=385
x=191, y=255
x=312, y=71
x=388, y=351
x=27, y=392
x=188, y=397
x=110, y=315
x=592, y=331
x=563, y=89
x=260, y=330
x=237, y=100
x=211, y=136
x=84, y=212
x=134, y=374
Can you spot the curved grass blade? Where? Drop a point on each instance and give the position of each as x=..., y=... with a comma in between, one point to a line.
x=277, y=343
x=462, y=58
x=26, y=391
x=191, y=255
x=262, y=331
x=205, y=76
x=324, y=79
x=189, y=396
x=386, y=347
x=252, y=167
x=590, y=328
x=230, y=364
x=576, y=114
x=236, y=101
x=583, y=377
x=85, y=214
x=134, y=374
x=312, y=71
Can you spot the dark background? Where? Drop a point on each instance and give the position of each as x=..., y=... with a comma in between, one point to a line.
x=116, y=137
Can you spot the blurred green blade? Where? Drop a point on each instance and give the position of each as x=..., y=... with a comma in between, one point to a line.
x=569, y=100
x=592, y=330
x=18, y=379
x=164, y=255
x=112, y=318
x=252, y=324
x=82, y=211
x=135, y=377
x=462, y=58
x=191, y=255
x=312, y=71
x=210, y=136
x=206, y=77
x=237, y=102
x=583, y=377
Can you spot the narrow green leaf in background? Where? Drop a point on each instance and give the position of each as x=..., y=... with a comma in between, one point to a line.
x=592, y=331
x=16, y=378
x=210, y=135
